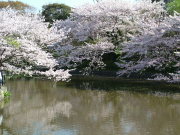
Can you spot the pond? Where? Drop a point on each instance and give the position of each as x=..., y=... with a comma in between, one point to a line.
x=91, y=106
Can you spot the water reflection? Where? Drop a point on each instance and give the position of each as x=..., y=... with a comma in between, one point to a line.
x=40, y=107
x=109, y=84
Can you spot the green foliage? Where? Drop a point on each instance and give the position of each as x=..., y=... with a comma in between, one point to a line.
x=55, y=11
x=173, y=6
x=12, y=41
x=4, y=93
x=118, y=51
x=87, y=41
x=118, y=36
x=15, y=5
x=7, y=94
x=171, y=33
x=55, y=54
x=10, y=76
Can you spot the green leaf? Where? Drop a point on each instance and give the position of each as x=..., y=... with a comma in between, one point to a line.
x=13, y=42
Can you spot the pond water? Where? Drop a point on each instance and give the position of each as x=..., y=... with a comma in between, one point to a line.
x=91, y=106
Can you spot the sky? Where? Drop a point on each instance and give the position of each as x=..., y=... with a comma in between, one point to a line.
x=39, y=3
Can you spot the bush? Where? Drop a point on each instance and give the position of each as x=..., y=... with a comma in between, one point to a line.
x=55, y=11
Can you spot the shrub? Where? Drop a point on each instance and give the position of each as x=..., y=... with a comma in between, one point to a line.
x=53, y=12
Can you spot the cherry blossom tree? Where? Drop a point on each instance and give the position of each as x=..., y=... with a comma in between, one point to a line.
x=24, y=39
x=97, y=21
x=105, y=24
x=142, y=33
x=138, y=32
x=155, y=55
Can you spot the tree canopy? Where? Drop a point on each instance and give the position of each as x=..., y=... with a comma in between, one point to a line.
x=174, y=6
x=15, y=5
x=55, y=11
x=143, y=36
x=24, y=39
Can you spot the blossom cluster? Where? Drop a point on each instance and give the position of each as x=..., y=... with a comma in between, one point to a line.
x=156, y=53
x=24, y=38
x=107, y=23
x=141, y=32
x=94, y=21
x=71, y=57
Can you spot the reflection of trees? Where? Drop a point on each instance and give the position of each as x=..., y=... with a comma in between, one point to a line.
x=100, y=83
x=88, y=112
x=33, y=103
x=145, y=114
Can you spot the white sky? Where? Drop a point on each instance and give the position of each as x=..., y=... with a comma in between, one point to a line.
x=39, y=3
